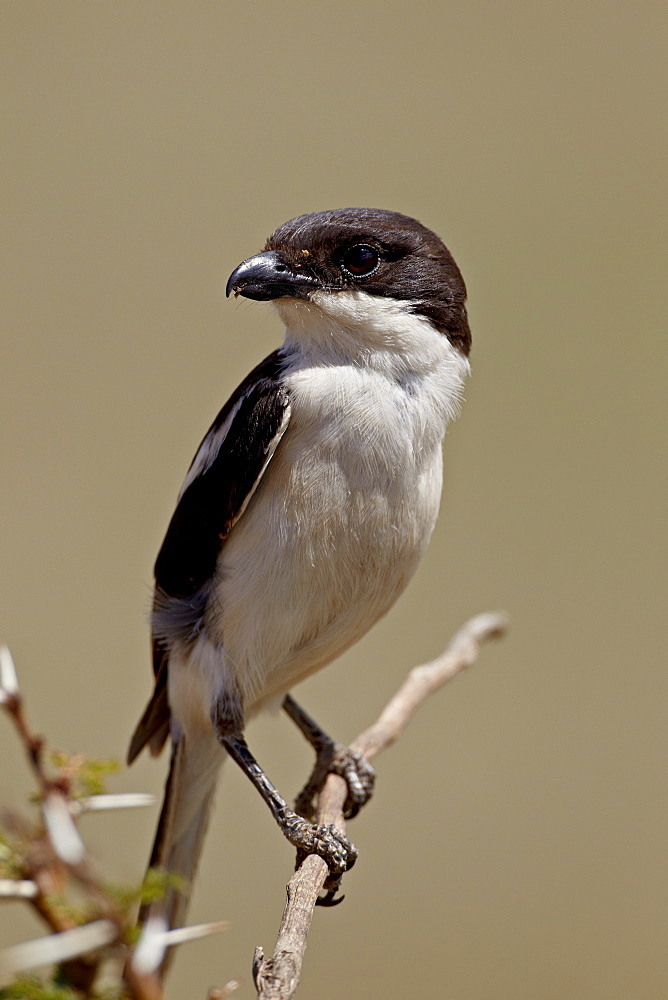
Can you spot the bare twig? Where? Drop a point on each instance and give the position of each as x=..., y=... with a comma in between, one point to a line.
x=225, y=991
x=277, y=978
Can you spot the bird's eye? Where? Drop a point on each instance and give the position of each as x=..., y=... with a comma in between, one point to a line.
x=360, y=260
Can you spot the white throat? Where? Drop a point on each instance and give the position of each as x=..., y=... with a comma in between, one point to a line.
x=374, y=333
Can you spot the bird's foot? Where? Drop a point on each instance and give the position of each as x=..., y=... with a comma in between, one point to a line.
x=326, y=841
x=359, y=776
x=356, y=771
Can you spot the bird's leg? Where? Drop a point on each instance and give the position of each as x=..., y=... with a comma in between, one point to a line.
x=309, y=838
x=332, y=758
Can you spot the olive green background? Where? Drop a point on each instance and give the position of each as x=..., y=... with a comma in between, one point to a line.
x=515, y=848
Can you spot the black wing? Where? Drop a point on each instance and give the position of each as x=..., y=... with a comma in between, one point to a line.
x=222, y=478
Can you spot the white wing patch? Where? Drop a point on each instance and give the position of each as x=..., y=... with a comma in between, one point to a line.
x=209, y=448
x=271, y=448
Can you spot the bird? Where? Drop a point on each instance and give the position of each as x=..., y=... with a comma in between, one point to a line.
x=303, y=515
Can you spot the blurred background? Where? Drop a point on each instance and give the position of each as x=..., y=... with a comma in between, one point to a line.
x=515, y=846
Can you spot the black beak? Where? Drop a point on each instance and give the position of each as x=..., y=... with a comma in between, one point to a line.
x=268, y=276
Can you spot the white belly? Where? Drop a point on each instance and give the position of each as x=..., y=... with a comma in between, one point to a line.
x=332, y=535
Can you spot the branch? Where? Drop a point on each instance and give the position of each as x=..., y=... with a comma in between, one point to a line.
x=53, y=855
x=277, y=978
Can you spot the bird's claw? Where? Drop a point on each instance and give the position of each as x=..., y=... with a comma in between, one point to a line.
x=338, y=853
x=353, y=767
x=359, y=776
x=330, y=889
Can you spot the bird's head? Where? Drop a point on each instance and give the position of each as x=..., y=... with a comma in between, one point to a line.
x=373, y=253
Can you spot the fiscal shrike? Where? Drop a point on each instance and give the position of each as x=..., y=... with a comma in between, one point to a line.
x=305, y=512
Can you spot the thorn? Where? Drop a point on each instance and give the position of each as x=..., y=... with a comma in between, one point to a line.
x=122, y=800
x=56, y=947
x=155, y=939
x=183, y=934
x=63, y=834
x=151, y=946
x=18, y=888
x=9, y=682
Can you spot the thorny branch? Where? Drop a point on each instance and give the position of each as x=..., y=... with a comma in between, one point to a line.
x=277, y=978
x=55, y=857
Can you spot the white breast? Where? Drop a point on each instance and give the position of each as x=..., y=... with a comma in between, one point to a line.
x=348, y=503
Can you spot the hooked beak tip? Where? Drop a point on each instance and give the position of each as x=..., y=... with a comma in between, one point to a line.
x=268, y=276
